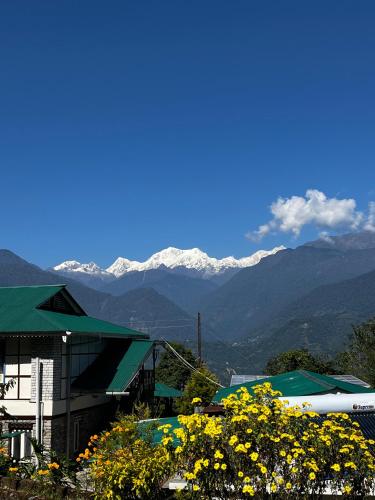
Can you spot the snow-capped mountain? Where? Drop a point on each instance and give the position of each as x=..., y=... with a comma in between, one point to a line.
x=122, y=266
x=193, y=260
x=73, y=266
x=90, y=274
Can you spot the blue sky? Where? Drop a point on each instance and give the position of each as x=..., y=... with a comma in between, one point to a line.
x=126, y=127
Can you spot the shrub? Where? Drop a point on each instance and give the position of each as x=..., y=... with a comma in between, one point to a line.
x=200, y=386
x=125, y=464
x=261, y=446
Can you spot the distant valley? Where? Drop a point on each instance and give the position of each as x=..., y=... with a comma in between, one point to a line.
x=251, y=309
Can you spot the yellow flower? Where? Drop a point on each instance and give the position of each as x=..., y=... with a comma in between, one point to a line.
x=195, y=487
x=223, y=466
x=254, y=456
x=347, y=489
x=189, y=476
x=196, y=400
x=273, y=487
x=53, y=465
x=240, y=474
x=42, y=472
x=240, y=448
x=336, y=467
x=217, y=466
x=248, y=489
x=312, y=476
x=288, y=486
x=13, y=469
x=218, y=454
x=233, y=440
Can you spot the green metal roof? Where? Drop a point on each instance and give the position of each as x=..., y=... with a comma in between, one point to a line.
x=164, y=391
x=157, y=435
x=129, y=365
x=297, y=383
x=19, y=313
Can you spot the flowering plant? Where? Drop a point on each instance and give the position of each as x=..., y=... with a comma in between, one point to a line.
x=124, y=462
x=261, y=446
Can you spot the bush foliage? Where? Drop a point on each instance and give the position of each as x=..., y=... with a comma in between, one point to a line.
x=260, y=446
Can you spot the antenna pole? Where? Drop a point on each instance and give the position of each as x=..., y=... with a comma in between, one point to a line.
x=199, y=339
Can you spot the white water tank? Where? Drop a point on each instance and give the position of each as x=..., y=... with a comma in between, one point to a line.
x=326, y=403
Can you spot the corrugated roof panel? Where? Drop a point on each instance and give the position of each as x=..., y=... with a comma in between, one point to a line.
x=164, y=391
x=351, y=379
x=129, y=365
x=156, y=434
x=19, y=313
x=242, y=379
x=297, y=383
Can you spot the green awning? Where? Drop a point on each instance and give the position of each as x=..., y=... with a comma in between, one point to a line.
x=129, y=365
x=297, y=383
x=164, y=391
x=115, y=367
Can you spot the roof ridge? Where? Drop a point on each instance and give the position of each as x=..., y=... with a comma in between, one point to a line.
x=63, y=285
x=312, y=376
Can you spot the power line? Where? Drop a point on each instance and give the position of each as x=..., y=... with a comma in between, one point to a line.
x=191, y=320
x=188, y=365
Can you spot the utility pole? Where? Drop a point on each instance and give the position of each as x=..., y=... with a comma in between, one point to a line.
x=199, y=339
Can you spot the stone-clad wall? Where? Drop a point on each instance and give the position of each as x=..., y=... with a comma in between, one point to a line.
x=49, y=351
x=91, y=421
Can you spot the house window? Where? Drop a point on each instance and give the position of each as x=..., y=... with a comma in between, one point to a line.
x=17, y=367
x=76, y=435
x=84, y=351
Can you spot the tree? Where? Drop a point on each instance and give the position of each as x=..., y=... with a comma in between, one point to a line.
x=202, y=384
x=359, y=358
x=171, y=371
x=299, y=359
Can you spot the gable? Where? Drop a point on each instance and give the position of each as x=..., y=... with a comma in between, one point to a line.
x=62, y=302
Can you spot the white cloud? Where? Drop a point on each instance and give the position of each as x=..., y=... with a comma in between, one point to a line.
x=370, y=221
x=290, y=215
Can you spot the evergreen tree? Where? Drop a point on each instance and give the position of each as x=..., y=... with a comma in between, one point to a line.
x=299, y=359
x=198, y=386
x=171, y=371
x=359, y=358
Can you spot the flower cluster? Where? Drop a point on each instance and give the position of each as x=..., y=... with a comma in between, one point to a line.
x=262, y=446
x=126, y=464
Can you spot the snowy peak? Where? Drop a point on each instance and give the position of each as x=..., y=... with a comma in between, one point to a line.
x=73, y=266
x=196, y=260
x=121, y=266
x=192, y=260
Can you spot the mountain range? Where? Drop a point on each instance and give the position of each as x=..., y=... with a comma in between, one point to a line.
x=145, y=309
x=191, y=262
x=286, y=298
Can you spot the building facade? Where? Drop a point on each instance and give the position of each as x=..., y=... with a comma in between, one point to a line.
x=69, y=373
